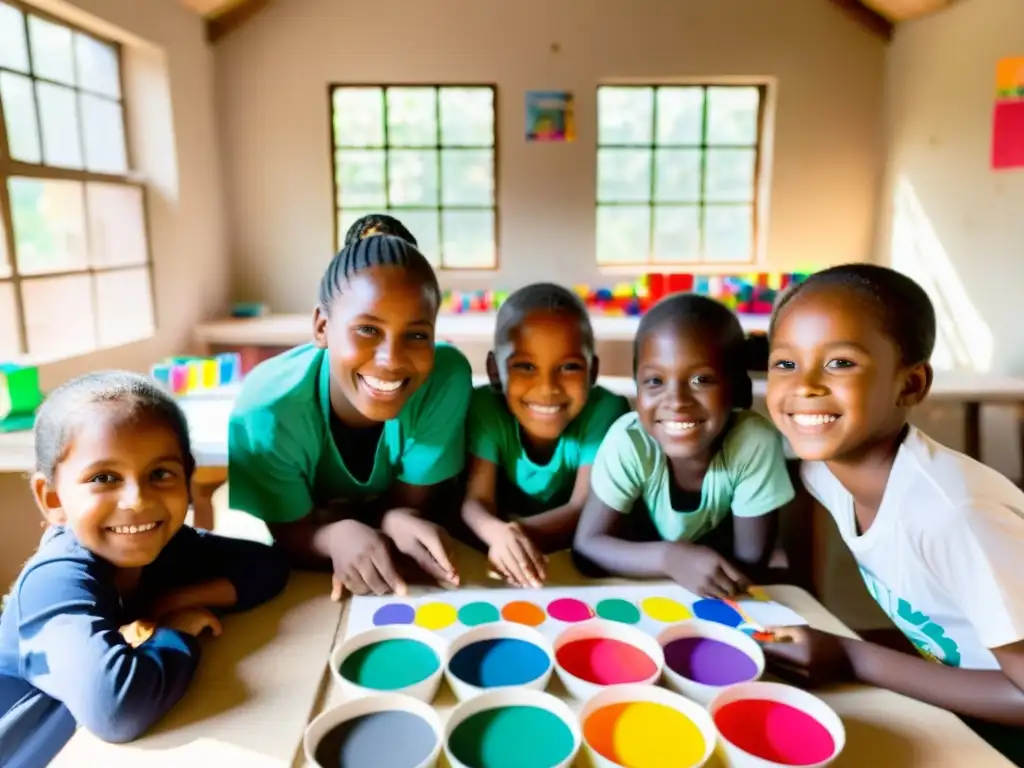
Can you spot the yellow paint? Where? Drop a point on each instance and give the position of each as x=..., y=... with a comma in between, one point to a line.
x=436, y=615
x=649, y=735
x=665, y=609
x=759, y=593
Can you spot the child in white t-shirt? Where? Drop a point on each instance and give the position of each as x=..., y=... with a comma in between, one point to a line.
x=939, y=537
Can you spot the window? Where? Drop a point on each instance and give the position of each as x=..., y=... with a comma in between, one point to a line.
x=74, y=257
x=677, y=174
x=424, y=154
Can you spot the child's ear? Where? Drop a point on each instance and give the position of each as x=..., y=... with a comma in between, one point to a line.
x=917, y=382
x=47, y=500
x=595, y=370
x=320, y=327
x=492, y=372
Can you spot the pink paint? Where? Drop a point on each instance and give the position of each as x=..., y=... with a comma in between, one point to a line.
x=604, y=661
x=775, y=731
x=570, y=610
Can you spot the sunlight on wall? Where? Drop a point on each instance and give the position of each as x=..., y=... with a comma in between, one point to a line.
x=964, y=339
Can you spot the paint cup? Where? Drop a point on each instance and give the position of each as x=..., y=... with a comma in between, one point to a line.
x=388, y=730
x=598, y=653
x=628, y=725
x=772, y=725
x=703, y=657
x=512, y=726
x=499, y=655
x=398, y=658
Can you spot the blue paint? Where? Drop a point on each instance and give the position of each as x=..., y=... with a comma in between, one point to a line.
x=717, y=611
x=498, y=662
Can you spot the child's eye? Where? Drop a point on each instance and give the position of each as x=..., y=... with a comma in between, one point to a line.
x=367, y=330
x=572, y=367
x=839, y=363
x=652, y=381
x=527, y=367
x=103, y=478
x=163, y=474
x=419, y=336
x=703, y=380
x=784, y=365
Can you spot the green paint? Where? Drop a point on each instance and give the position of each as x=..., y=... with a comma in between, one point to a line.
x=615, y=609
x=497, y=738
x=474, y=614
x=390, y=664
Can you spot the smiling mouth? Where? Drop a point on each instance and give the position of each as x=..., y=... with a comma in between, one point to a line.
x=545, y=411
x=678, y=428
x=814, y=422
x=134, y=530
x=382, y=388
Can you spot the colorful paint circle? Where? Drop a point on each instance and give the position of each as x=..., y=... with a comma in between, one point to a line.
x=389, y=739
x=390, y=664
x=436, y=615
x=617, y=609
x=570, y=610
x=394, y=613
x=775, y=731
x=499, y=661
x=605, y=661
x=644, y=734
x=665, y=609
x=523, y=612
x=718, y=612
x=494, y=738
x=708, y=661
x=475, y=614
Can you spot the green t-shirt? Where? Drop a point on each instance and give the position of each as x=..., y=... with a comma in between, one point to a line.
x=282, y=457
x=524, y=487
x=747, y=476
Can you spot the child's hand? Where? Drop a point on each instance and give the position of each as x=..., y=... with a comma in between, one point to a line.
x=423, y=541
x=808, y=656
x=138, y=632
x=516, y=557
x=704, y=571
x=362, y=561
x=193, y=621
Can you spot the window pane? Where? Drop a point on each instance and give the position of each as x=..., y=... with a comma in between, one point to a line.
x=732, y=115
x=51, y=50
x=20, y=118
x=347, y=217
x=59, y=320
x=358, y=117
x=680, y=115
x=124, y=306
x=467, y=117
x=9, y=344
x=467, y=177
x=58, y=112
x=623, y=234
x=677, y=177
x=424, y=227
x=412, y=177
x=49, y=225
x=623, y=175
x=730, y=175
x=103, y=123
x=468, y=239
x=117, y=224
x=361, y=178
x=412, y=117
x=728, y=233
x=98, y=69
x=625, y=115
x=677, y=234
x=13, y=47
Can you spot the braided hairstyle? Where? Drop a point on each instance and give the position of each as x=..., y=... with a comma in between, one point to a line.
x=694, y=312
x=378, y=224
x=375, y=251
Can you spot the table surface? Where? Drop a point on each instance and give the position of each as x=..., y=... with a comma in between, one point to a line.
x=266, y=677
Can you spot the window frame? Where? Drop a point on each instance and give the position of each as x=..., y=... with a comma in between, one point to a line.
x=650, y=263
x=11, y=168
x=438, y=147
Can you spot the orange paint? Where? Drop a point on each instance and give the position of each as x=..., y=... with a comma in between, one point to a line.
x=523, y=612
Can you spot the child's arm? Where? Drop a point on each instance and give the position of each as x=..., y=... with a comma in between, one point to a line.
x=596, y=540
x=554, y=530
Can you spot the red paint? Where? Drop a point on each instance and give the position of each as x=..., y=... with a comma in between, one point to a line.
x=775, y=731
x=605, y=661
x=569, y=609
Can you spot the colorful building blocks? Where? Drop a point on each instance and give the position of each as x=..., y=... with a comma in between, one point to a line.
x=20, y=397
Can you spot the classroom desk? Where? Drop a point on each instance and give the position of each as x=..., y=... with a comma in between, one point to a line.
x=266, y=678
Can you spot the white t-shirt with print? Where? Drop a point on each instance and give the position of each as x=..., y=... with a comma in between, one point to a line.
x=944, y=558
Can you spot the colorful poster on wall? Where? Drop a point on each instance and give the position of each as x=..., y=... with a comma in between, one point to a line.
x=1008, y=115
x=550, y=116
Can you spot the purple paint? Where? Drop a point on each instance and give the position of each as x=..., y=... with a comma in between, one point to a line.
x=710, y=662
x=394, y=613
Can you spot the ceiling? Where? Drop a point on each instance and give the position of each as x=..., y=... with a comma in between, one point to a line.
x=879, y=16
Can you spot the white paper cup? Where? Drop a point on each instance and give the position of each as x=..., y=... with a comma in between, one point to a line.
x=703, y=692
x=424, y=690
x=582, y=689
x=735, y=757
x=512, y=697
x=623, y=694
x=464, y=689
x=367, y=705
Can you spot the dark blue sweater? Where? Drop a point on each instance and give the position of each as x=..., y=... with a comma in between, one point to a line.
x=60, y=644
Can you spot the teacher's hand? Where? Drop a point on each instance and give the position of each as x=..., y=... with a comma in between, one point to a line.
x=362, y=561
x=423, y=541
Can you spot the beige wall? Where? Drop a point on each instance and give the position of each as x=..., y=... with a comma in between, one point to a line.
x=272, y=94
